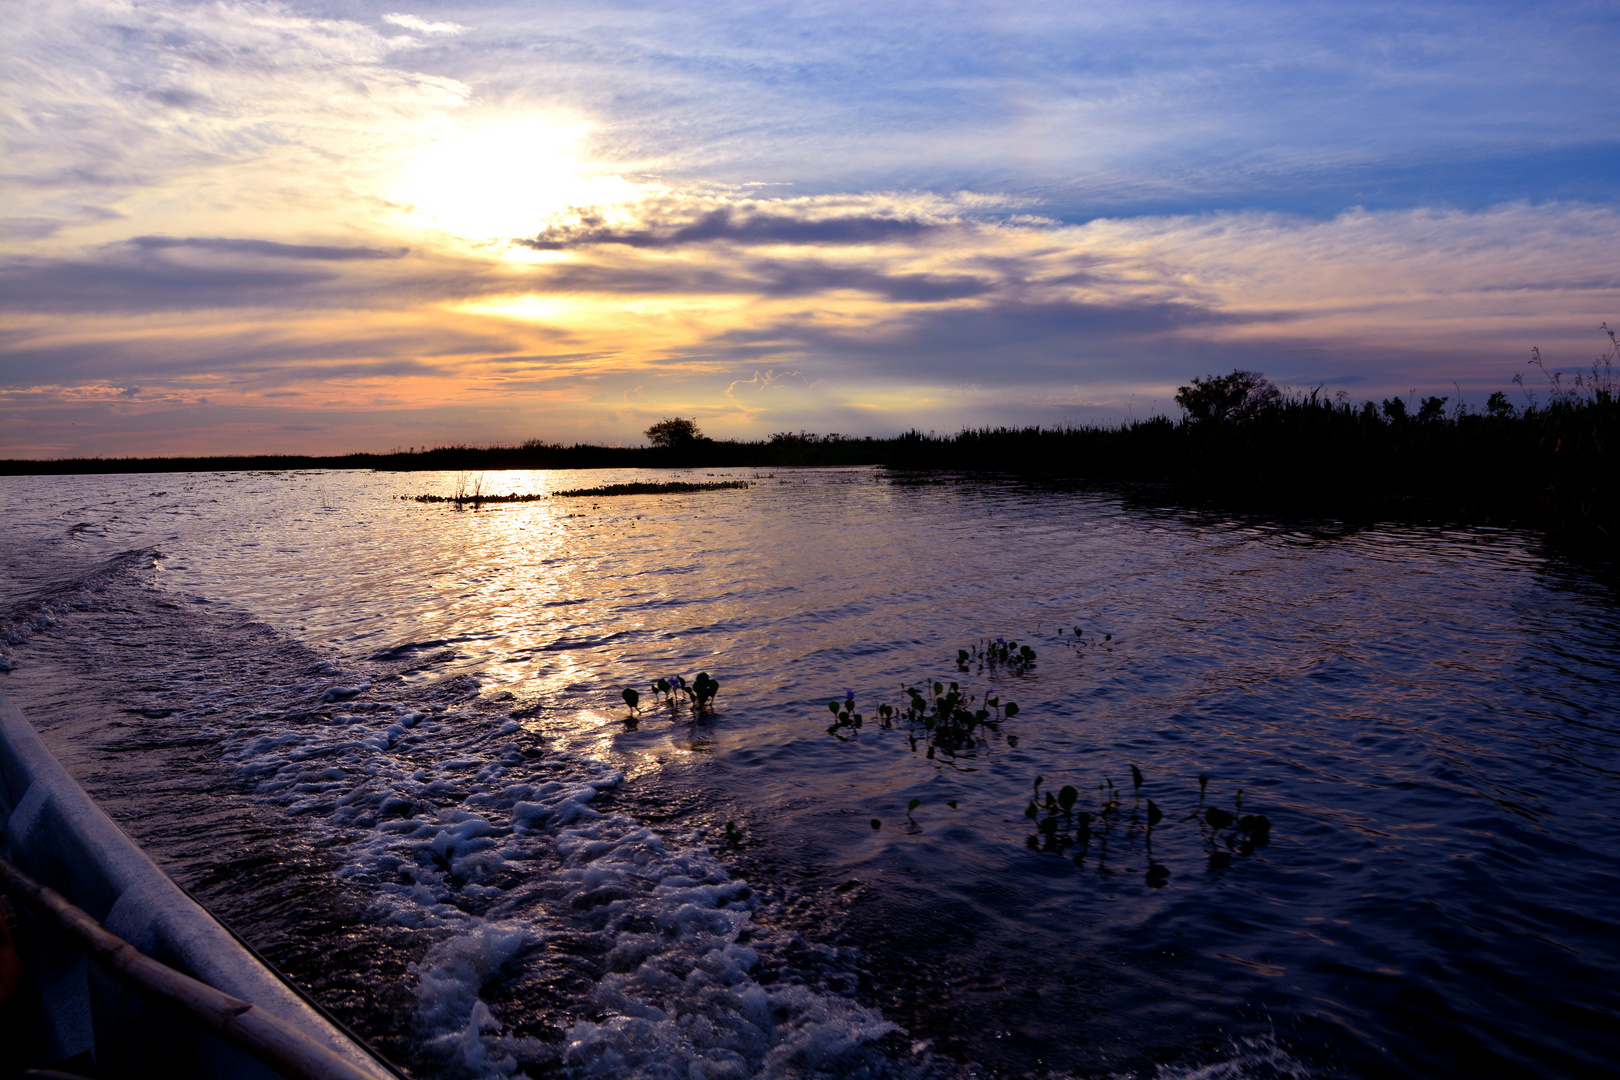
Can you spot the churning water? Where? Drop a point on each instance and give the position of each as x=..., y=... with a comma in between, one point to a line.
x=385, y=741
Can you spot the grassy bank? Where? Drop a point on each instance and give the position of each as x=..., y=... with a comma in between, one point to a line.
x=1549, y=462
x=1553, y=467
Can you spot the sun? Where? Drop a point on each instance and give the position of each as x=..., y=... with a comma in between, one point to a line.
x=506, y=179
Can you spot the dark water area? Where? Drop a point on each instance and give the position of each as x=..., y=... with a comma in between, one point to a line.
x=385, y=741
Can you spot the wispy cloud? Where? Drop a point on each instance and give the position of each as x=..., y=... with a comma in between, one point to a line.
x=746, y=225
x=266, y=248
x=425, y=26
x=175, y=116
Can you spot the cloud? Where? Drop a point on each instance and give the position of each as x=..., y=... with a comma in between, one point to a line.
x=157, y=273
x=266, y=248
x=740, y=226
x=46, y=285
x=413, y=22
x=761, y=382
x=1391, y=297
x=1159, y=107
x=255, y=110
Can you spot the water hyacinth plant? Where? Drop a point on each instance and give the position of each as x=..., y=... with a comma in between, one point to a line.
x=673, y=692
x=950, y=723
x=1060, y=828
x=998, y=655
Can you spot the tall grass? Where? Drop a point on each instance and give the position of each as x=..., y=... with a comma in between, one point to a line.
x=1550, y=461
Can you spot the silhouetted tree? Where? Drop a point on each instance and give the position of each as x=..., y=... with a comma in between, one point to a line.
x=1228, y=397
x=1433, y=409
x=674, y=433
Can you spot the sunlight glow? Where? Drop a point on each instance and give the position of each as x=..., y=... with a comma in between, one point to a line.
x=532, y=308
x=507, y=179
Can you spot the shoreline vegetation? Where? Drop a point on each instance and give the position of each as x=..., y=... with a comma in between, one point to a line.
x=1549, y=463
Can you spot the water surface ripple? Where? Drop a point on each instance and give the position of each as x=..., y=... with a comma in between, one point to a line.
x=385, y=740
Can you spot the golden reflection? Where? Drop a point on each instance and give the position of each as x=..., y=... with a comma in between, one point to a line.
x=559, y=598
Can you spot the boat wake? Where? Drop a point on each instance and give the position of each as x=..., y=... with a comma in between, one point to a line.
x=539, y=929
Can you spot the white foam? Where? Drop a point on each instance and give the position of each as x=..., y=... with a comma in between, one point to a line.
x=448, y=1005
x=1255, y=1058
x=484, y=828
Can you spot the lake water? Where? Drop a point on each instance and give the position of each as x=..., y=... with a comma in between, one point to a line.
x=385, y=741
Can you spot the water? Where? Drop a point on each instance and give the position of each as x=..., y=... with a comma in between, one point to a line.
x=385, y=741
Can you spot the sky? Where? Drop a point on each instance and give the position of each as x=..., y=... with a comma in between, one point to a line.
x=344, y=226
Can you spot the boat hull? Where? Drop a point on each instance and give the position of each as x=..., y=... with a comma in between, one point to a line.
x=73, y=1012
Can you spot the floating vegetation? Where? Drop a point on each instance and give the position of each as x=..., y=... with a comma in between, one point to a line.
x=1061, y=828
x=469, y=491
x=1000, y=654
x=474, y=500
x=949, y=723
x=677, y=487
x=1080, y=641
x=674, y=693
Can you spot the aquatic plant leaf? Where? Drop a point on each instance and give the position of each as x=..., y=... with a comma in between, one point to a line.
x=912, y=805
x=1218, y=819
x=1011, y=710
x=630, y=697
x=1136, y=778
x=1067, y=796
x=876, y=824
x=1155, y=815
